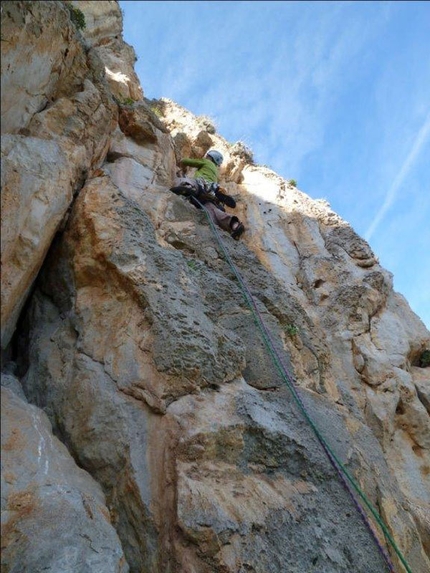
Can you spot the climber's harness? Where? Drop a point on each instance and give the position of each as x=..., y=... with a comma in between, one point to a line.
x=207, y=192
x=201, y=192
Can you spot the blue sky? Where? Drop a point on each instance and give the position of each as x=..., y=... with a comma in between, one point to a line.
x=335, y=95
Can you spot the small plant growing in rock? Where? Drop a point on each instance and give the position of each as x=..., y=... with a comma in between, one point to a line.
x=208, y=123
x=292, y=182
x=156, y=109
x=291, y=330
x=123, y=100
x=192, y=265
x=425, y=359
x=240, y=149
x=77, y=17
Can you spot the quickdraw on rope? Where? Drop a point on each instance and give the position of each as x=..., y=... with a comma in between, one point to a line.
x=343, y=473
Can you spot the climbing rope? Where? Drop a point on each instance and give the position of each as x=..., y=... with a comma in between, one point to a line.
x=346, y=478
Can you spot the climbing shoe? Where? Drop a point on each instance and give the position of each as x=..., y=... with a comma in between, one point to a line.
x=237, y=232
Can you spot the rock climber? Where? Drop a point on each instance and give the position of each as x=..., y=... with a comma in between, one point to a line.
x=204, y=187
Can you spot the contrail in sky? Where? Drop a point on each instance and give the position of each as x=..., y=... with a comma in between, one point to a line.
x=420, y=140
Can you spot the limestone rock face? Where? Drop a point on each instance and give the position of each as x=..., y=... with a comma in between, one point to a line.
x=57, y=114
x=103, y=31
x=54, y=513
x=191, y=385
x=42, y=60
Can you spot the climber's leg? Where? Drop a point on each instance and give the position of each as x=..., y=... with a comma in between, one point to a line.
x=184, y=186
x=227, y=222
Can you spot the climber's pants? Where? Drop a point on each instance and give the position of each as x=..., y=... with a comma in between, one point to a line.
x=186, y=182
x=219, y=217
x=224, y=220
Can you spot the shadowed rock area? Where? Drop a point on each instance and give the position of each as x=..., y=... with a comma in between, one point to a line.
x=146, y=426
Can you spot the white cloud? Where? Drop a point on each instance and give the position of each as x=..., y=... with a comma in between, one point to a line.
x=418, y=144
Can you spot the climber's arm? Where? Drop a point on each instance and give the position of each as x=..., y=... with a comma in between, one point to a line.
x=189, y=162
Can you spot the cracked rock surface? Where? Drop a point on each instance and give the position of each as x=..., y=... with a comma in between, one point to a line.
x=142, y=409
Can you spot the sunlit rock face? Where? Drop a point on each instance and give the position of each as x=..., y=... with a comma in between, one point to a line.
x=140, y=395
x=57, y=117
x=103, y=32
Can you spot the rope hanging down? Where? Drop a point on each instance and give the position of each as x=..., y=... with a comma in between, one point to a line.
x=340, y=469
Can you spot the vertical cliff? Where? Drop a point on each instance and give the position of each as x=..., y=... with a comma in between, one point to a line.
x=147, y=425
